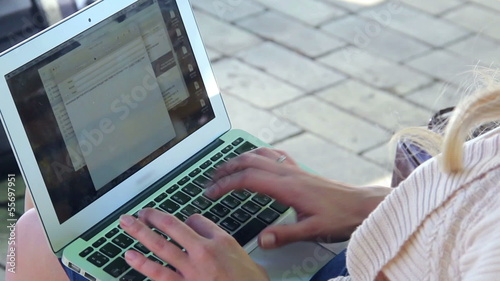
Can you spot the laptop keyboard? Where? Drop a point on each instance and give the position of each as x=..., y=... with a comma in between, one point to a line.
x=242, y=213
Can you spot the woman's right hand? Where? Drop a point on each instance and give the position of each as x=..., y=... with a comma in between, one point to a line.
x=327, y=211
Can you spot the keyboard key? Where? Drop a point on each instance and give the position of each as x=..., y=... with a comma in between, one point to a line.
x=181, y=198
x=230, y=224
x=183, y=181
x=244, y=148
x=189, y=210
x=117, y=267
x=160, y=197
x=161, y=233
x=230, y=155
x=251, y=207
x=241, y=215
x=98, y=259
x=112, y=233
x=85, y=252
x=262, y=199
x=172, y=189
x=227, y=149
x=139, y=246
x=241, y=194
x=133, y=275
x=206, y=164
x=99, y=242
x=110, y=250
x=268, y=215
x=209, y=173
x=195, y=172
x=191, y=189
x=201, y=181
x=202, y=203
x=123, y=241
x=170, y=206
x=149, y=205
x=181, y=217
x=278, y=207
x=237, y=141
x=176, y=244
x=216, y=157
x=249, y=231
x=230, y=202
x=220, y=210
x=211, y=217
x=155, y=259
x=219, y=163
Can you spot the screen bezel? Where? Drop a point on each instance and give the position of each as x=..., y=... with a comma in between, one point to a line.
x=60, y=235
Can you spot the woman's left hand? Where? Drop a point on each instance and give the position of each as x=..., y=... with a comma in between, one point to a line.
x=210, y=253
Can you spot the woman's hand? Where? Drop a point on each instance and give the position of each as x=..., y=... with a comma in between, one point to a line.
x=211, y=253
x=327, y=211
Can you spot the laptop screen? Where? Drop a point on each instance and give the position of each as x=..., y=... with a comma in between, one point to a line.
x=104, y=104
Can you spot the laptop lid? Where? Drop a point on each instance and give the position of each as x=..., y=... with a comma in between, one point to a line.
x=104, y=104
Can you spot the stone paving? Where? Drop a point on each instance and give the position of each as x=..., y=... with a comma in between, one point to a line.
x=329, y=81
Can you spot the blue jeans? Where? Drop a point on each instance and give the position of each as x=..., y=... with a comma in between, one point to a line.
x=334, y=268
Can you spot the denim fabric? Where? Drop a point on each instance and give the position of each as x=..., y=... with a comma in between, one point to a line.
x=334, y=268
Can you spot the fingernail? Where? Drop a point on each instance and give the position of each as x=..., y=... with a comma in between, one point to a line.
x=141, y=213
x=131, y=255
x=209, y=191
x=127, y=220
x=267, y=240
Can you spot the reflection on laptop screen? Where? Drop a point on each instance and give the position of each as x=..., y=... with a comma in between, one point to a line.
x=109, y=101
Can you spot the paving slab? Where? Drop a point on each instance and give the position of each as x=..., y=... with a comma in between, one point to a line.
x=376, y=71
x=420, y=25
x=303, y=38
x=376, y=37
x=478, y=18
x=312, y=12
x=368, y=102
x=382, y=155
x=495, y=4
x=434, y=7
x=228, y=10
x=222, y=36
x=298, y=70
x=263, y=124
x=332, y=161
x=478, y=49
x=252, y=85
x=333, y=124
x=446, y=66
x=437, y=96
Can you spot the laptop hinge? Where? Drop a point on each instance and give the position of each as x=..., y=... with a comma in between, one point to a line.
x=154, y=187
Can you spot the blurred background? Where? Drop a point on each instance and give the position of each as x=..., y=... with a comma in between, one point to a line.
x=329, y=81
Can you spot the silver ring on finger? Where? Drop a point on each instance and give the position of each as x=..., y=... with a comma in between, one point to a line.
x=281, y=159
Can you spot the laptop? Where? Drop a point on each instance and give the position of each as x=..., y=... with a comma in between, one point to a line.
x=116, y=109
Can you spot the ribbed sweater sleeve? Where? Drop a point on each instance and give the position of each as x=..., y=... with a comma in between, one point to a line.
x=436, y=226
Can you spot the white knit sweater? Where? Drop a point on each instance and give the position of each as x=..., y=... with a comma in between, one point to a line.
x=435, y=226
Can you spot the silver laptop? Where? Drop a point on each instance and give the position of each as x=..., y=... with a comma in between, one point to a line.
x=116, y=109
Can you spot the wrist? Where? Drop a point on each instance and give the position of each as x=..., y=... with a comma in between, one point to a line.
x=371, y=197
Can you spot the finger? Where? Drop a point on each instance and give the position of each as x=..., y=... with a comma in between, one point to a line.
x=204, y=226
x=274, y=154
x=249, y=160
x=165, y=250
x=256, y=180
x=150, y=268
x=278, y=235
x=171, y=226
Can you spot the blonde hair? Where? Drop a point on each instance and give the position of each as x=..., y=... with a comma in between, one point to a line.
x=474, y=110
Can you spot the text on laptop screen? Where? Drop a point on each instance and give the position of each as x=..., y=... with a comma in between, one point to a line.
x=104, y=104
